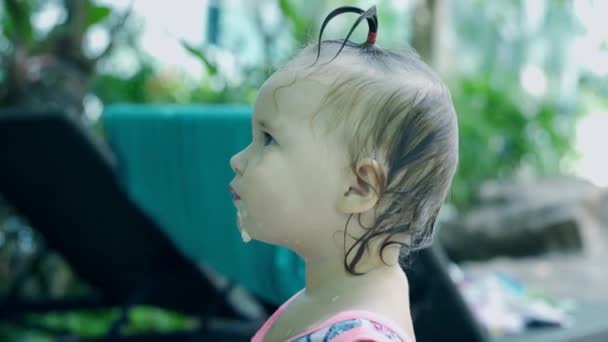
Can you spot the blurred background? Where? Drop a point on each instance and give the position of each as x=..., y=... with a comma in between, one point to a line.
x=525, y=228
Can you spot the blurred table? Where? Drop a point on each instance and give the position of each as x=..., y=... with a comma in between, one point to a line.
x=590, y=325
x=174, y=162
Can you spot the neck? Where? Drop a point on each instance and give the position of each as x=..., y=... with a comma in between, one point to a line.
x=329, y=273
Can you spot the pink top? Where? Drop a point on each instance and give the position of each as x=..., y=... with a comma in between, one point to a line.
x=346, y=326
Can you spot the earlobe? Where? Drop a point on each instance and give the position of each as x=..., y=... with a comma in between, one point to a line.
x=364, y=188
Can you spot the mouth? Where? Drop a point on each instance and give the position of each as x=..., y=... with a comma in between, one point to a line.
x=235, y=196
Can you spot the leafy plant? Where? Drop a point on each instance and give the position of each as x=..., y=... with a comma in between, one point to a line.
x=96, y=323
x=500, y=133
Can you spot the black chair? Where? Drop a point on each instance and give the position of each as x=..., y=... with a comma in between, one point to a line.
x=59, y=177
x=438, y=309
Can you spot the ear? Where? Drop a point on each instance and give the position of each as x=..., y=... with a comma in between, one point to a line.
x=362, y=191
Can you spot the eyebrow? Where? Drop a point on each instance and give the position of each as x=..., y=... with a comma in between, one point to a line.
x=265, y=125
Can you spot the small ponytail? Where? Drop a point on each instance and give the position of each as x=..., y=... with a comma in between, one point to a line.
x=372, y=22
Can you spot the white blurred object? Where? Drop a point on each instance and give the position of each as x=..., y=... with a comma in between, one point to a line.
x=504, y=306
x=591, y=145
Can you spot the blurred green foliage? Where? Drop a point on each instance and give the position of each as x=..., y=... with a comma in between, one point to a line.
x=96, y=323
x=503, y=129
x=500, y=133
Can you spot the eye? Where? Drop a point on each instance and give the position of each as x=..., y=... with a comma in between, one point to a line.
x=268, y=139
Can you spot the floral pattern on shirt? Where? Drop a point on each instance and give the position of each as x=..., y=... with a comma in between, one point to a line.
x=327, y=334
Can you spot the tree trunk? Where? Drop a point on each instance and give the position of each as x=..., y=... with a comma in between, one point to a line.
x=431, y=20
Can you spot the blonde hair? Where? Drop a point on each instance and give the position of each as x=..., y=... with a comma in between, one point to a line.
x=391, y=107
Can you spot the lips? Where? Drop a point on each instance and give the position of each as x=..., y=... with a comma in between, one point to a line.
x=235, y=196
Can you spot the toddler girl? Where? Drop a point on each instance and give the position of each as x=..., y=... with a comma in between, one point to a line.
x=353, y=152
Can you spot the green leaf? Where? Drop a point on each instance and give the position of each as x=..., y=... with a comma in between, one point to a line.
x=211, y=68
x=299, y=24
x=97, y=13
x=18, y=23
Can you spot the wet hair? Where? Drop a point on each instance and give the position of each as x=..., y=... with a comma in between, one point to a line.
x=391, y=107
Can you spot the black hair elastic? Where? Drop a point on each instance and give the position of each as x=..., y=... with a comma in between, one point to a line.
x=369, y=15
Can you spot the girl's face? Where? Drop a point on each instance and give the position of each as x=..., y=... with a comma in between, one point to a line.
x=290, y=178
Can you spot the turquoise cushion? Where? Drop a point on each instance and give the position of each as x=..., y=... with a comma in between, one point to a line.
x=174, y=162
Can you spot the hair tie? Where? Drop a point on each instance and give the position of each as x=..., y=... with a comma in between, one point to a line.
x=371, y=37
x=372, y=21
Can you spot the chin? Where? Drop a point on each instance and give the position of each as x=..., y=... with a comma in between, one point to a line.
x=268, y=241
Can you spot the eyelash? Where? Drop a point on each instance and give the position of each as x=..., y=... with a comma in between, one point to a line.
x=268, y=139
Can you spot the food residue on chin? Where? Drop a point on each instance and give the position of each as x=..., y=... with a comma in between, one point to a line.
x=244, y=235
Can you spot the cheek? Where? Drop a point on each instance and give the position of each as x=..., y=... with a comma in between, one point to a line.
x=314, y=193
x=273, y=219
x=286, y=198
x=267, y=197
x=318, y=181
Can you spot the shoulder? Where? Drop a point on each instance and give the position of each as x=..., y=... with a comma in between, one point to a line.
x=355, y=329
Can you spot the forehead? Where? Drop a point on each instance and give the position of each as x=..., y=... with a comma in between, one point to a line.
x=290, y=95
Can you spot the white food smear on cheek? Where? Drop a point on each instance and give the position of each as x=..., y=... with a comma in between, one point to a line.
x=244, y=235
x=246, y=238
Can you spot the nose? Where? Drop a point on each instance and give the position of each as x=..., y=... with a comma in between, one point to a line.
x=237, y=163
